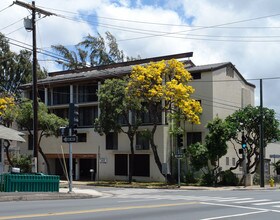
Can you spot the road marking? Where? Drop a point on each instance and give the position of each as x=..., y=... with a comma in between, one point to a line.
x=96, y=210
x=267, y=203
x=235, y=215
x=252, y=201
x=231, y=200
x=139, y=200
x=235, y=206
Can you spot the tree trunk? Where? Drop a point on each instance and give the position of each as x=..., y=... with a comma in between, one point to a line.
x=131, y=159
x=45, y=159
x=169, y=177
x=8, y=156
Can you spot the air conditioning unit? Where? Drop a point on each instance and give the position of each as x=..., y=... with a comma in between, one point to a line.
x=138, y=147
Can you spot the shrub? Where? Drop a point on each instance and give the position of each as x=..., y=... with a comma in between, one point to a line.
x=23, y=162
x=228, y=178
x=189, y=178
x=208, y=179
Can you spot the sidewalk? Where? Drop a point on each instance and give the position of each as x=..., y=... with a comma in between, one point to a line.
x=78, y=192
x=61, y=195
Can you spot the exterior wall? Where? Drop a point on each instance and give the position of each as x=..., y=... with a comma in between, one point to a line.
x=95, y=145
x=220, y=95
x=230, y=94
x=272, y=154
x=204, y=93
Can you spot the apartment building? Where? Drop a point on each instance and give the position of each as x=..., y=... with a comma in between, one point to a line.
x=220, y=88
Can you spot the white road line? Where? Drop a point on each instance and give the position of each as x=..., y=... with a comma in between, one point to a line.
x=267, y=203
x=252, y=201
x=231, y=200
x=235, y=206
x=139, y=200
x=241, y=207
x=236, y=215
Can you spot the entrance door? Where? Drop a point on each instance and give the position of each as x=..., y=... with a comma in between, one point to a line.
x=86, y=165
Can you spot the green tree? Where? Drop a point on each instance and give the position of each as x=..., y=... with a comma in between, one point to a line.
x=73, y=59
x=247, y=121
x=198, y=155
x=98, y=50
x=213, y=149
x=48, y=123
x=116, y=108
x=91, y=51
x=216, y=140
x=163, y=86
x=216, y=144
x=15, y=69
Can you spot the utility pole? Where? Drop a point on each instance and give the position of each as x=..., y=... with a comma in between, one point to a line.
x=34, y=10
x=261, y=138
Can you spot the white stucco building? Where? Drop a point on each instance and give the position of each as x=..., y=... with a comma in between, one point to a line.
x=220, y=88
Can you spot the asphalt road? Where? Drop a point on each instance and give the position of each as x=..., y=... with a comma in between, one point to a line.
x=153, y=204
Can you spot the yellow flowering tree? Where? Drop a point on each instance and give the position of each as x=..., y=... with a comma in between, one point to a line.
x=163, y=86
x=7, y=110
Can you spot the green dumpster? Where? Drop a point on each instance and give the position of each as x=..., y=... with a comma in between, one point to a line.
x=29, y=183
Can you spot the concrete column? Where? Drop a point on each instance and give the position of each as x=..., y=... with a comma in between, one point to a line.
x=46, y=96
x=71, y=94
x=77, y=169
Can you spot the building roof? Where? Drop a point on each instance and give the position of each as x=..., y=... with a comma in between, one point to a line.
x=10, y=134
x=124, y=68
x=208, y=67
x=216, y=66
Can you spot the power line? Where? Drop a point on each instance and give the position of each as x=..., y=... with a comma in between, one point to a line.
x=165, y=24
x=181, y=34
x=6, y=8
x=11, y=24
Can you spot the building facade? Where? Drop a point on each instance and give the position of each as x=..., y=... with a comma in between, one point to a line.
x=220, y=88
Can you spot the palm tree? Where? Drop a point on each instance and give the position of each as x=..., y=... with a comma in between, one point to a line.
x=93, y=51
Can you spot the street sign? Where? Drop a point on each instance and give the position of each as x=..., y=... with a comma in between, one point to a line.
x=69, y=139
x=179, y=156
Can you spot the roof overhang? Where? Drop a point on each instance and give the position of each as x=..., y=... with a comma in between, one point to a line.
x=10, y=134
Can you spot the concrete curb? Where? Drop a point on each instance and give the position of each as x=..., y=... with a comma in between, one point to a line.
x=33, y=196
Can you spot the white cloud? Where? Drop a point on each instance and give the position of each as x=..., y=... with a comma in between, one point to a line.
x=254, y=60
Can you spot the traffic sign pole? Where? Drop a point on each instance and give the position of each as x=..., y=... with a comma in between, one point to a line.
x=70, y=163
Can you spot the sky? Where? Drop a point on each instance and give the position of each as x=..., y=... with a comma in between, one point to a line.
x=246, y=33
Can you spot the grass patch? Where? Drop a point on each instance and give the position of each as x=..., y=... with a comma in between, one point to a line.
x=132, y=185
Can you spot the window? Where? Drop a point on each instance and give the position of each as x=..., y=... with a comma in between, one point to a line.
x=87, y=93
x=196, y=76
x=233, y=161
x=193, y=137
x=41, y=94
x=141, y=165
x=227, y=161
x=230, y=72
x=142, y=141
x=147, y=117
x=121, y=164
x=82, y=137
x=112, y=141
x=87, y=115
x=61, y=95
x=30, y=142
x=61, y=112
